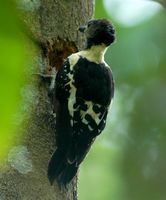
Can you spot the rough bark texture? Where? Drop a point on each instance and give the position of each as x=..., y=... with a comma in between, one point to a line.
x=54, y=24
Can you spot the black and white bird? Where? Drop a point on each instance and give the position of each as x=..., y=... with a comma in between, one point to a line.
x=84, y=88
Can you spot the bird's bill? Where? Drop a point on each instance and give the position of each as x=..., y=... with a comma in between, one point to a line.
x=82, y=29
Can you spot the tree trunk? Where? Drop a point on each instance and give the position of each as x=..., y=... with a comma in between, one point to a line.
x=54, y=25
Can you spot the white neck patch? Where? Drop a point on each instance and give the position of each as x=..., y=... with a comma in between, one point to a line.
x=95, y=53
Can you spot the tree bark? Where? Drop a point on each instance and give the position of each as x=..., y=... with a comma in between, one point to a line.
x=54, y=25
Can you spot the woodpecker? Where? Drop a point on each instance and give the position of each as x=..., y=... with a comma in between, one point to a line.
x=84, y=88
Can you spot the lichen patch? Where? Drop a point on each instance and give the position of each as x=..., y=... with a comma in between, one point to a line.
x=18, y=159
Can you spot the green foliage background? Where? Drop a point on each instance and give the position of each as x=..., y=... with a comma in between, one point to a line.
x=128, y=160
x=12, y=62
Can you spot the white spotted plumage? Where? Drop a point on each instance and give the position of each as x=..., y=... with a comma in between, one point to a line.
x=84, y=90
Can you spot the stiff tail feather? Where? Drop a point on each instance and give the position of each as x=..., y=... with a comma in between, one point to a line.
x=60, y=169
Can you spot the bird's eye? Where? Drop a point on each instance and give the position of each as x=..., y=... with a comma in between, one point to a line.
x=90, y=23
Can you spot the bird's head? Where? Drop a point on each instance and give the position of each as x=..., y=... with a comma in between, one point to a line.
x=98, y=31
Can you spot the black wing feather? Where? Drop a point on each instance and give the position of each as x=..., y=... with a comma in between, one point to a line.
x=85, y=118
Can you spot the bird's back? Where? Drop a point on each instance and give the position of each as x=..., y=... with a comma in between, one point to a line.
x=94, y=82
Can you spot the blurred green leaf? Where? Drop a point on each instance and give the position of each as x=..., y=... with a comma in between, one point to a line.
x=100, y=11
x=12, y=63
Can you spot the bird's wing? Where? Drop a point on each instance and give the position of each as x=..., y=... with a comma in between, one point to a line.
x=63, y=118
x=88, y=121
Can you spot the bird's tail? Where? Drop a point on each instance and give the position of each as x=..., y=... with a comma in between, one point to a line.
x=60, y=169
